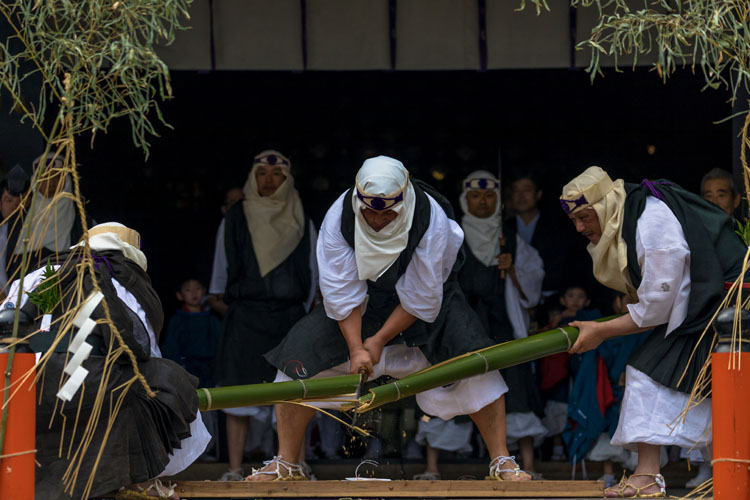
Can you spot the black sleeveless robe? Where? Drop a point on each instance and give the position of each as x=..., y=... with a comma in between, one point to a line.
x=146, y=429
x=316, y=340
x=485, y=293
x=716, y=255
x=261, y=309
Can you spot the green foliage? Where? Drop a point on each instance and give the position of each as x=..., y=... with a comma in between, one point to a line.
x=95, y=58
x=47, y=294
x=710, y=34
x=743, y=231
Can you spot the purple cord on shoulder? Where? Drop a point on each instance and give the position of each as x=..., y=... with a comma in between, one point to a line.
x=99, y=259
x=652, y=187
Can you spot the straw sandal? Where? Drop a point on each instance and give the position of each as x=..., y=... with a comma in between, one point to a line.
x=284, y=471
x=498, y=462
x=658, y=480
x=138, y=492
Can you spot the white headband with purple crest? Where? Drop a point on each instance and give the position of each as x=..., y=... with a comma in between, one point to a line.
x=381, y=201
x=481, y=183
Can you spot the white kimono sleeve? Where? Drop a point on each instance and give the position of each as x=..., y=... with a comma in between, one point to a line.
x=340, y=285
x=420, y=288
x=218, y=283
x=530, y=273
x=664, y=259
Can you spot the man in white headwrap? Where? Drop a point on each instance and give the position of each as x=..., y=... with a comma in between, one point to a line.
x=671, y=252
x=500, y=287
x=391, y=306
x=269, y=284
x=55, y=219
x=151, y=437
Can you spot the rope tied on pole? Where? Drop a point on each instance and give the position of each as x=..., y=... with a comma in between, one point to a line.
x=17, y=454
x=732, y=460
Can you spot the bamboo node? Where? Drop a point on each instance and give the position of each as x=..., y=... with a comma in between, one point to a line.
x=208, y=398
x=567, y=337
x=486, y=363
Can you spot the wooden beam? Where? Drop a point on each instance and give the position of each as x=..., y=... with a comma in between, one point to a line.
x=390, y=489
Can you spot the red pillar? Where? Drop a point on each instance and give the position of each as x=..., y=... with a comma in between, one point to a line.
x=731, y=412
x=17, y=472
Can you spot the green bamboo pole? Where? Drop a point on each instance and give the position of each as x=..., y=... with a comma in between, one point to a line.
x=236, y=396
x=468, y=365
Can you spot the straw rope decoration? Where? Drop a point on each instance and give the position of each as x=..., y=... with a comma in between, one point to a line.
x=76, y=97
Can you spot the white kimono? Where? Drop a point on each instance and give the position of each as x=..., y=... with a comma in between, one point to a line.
x=650, y=411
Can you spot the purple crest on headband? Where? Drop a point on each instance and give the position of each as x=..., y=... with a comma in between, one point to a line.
x=481, y=183
x=379, y=202
x=271, y=159
x=580, y=201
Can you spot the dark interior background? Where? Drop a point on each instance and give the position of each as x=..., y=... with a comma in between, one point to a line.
x=442, y=125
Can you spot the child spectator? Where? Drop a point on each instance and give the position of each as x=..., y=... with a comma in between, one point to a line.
x=575, y=301
x=193, y=333
x=555, y=370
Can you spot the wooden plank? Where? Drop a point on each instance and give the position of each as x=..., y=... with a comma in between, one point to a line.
x=390, y=489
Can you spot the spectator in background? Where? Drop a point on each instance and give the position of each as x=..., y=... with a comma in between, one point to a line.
x=12, y=187
x=191, y=340
x=500, y=285
x=539, y=230
x=193, y=333
x=269, y=245
x=54, y=219
x=219, y=272
x=555, y=369
x=596, y=395
x=719, y=188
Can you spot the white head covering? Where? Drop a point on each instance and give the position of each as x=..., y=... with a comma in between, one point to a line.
x=53, y=218
x=482, y=235
x=276, y=222
x=115, y=236
x=594, y=189
x=381, y=182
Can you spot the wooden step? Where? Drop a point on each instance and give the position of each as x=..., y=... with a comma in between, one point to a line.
x=390, y=489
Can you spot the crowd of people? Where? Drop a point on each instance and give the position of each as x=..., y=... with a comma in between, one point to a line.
x=395, y=280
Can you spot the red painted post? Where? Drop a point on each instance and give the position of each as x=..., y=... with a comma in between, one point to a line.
x=731, y=410
x=17, y=472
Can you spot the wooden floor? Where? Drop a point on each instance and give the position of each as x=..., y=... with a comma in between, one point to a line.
x=390, y=489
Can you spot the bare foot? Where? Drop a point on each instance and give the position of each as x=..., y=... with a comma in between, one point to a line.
x=649, y=484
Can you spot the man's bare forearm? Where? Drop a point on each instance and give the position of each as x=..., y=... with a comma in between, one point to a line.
x=351, y=329
x=397, y=322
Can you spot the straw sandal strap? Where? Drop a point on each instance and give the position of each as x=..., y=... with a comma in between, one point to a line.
x=498, y=462
x=658, y=480
x=142, y=493
x=291, y=472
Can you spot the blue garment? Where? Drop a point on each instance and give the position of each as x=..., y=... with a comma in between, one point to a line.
x=191, y=340
x=583, y=405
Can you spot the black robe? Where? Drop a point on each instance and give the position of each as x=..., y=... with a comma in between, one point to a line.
x=316, y=340
x=146, y=429
x=261, y=309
